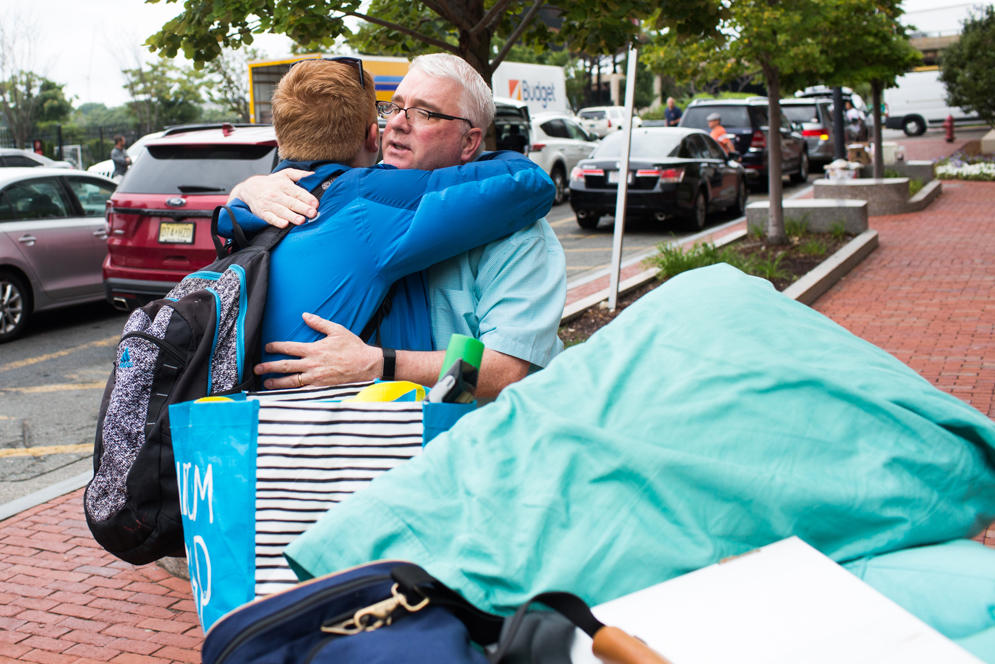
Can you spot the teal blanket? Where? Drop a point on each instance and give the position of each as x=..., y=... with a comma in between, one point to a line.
x=712, y=417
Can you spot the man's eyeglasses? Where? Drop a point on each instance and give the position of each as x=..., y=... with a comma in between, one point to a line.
x=416, y=116
x=355, y=63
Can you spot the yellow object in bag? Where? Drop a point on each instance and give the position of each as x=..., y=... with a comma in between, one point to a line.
x=398, y=390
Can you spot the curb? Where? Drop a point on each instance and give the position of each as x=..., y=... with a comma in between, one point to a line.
x=15, y=507
x=926, y=195
x=808, y=289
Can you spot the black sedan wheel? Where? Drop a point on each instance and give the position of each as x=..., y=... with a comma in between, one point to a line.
x=560, y=182
x=741, y=198
x=696, y=220
x=14, y=306
x=588, y=219
x=802, y=174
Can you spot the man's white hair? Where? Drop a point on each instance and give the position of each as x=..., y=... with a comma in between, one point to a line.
x=476, y=102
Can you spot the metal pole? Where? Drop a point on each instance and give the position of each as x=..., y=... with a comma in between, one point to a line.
x=838, y=126
x=58, y=132
x=623, y=181
x=101, y=154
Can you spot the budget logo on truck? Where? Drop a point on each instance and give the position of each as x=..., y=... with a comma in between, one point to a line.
x=523, y=91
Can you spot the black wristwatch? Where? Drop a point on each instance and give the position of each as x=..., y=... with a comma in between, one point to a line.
x=389, y=358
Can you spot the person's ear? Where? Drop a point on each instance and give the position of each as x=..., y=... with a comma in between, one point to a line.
x=471, y=141
x=372, y=142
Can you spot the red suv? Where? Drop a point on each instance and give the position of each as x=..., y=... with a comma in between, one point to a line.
x=159, y=219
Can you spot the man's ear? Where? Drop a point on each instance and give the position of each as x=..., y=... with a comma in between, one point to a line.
x=471, y=141
x=372, y=141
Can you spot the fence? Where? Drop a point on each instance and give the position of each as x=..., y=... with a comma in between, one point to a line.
x=82, y=146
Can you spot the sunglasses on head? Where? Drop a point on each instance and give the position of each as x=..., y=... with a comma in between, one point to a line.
x=355, y=63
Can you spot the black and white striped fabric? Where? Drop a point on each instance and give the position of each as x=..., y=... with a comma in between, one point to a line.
x=311, y=454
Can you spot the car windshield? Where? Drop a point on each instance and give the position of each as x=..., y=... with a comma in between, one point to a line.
x=179, y=169
x=733, y=117
x=645, y=145
x=801, y=112
x=592, y=115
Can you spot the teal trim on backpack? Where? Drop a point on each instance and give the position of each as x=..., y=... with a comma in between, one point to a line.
x=203, y=274
x=214, y=344
x=243, y=303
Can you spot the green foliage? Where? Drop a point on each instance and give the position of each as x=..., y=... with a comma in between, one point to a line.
x=644, y=85
x=163, y=93
x=673, y=259
x=813, y=247
x=915, y=186
x=229, y=87
x=54, y=106
x=27, y=100
x=770, y=267
x=837, y=230
x=796, y=227
x=892, y=173
x=967, y=67
x=757, y=232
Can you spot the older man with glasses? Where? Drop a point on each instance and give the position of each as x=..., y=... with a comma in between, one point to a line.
x=508, y=293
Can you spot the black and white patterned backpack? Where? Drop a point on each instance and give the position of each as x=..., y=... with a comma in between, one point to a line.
x=202, y=339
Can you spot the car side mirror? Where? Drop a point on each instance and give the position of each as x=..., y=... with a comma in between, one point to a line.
x=733, y=156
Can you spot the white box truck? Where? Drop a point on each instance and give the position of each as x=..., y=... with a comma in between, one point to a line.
x=919, y=100
x=543, y=88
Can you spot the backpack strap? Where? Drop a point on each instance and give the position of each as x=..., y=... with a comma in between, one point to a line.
x=378, y=316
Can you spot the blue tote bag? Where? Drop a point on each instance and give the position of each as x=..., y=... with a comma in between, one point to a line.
x=255, y=472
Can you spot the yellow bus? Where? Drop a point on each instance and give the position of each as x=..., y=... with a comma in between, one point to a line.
x=264, y=75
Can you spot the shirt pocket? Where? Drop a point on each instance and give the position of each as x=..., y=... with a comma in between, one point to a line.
x=458, y=309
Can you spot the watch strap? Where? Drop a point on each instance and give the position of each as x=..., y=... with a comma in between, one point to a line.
x=389, y=361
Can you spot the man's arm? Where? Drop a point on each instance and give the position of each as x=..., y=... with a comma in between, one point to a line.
x=276, y=198
x=342, y=357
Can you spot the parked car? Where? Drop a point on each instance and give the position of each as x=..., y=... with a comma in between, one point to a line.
x=14, y=158
x=135, y=151
x=159, y=219
x=558, y=143
x=919, y=100
x=816, y=119
x=864, y=128
x=601, y=120
x=53, y=240
x=746, y=121
x=673, y=172
x=512, y=125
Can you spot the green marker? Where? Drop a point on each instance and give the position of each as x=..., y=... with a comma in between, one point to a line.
x=464, y=348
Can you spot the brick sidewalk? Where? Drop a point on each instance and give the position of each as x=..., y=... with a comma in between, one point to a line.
x=927, y=296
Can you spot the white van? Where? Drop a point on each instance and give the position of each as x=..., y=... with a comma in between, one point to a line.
x=919, y=101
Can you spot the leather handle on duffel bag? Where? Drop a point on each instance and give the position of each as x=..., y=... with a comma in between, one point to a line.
x=613, y=646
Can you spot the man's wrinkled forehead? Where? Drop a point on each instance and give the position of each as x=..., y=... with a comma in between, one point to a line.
x=415, y=95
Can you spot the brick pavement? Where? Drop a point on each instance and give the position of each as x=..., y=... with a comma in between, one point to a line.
x=927, y=295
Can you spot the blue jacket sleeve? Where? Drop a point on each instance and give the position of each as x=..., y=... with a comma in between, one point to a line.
x=418, y=218
x=248, y=222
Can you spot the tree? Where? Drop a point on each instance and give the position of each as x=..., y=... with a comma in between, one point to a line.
x=21, y=98
x=97, y=114
x=463, y=27
x=967, y=67
x=162, y=94
x=873, y=49
x=54, y=105
x=230, y=84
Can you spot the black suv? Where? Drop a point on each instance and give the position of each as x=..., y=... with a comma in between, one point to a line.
x=746, y=121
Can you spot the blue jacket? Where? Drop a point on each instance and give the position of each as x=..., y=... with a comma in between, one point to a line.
x=377, y=226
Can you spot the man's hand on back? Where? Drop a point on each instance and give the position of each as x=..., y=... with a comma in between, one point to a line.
x=276, y=198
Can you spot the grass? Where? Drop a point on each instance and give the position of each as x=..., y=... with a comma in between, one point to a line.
x=813, y=247
x=837, y=229
x=915, y=186
x=770, y=268
x=796, y=227
x=892, y=173
x=672, y=259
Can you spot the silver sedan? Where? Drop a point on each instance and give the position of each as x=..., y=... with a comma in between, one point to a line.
x=53, y=240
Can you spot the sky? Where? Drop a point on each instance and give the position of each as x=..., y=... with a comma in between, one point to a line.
x=85, y=43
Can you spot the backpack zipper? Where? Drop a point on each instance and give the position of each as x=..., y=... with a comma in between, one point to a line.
x=294, y=609
x=161, y=343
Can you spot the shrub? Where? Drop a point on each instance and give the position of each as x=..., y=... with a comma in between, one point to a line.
x=837, y=230
x=813, y=247
x=770, y=268
x=915, y=186
x=796, y=227
x=673, y=259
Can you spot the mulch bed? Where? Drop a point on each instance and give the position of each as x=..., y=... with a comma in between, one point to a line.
x=794, y=263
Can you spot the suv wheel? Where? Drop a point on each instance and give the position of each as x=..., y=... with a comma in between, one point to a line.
x=588, y=219
x=15, y=306
x=914, y=126
x=559, y=178
x=695, y=221
x=802, y=174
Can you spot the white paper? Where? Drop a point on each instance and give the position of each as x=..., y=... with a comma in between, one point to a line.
x=783, y=604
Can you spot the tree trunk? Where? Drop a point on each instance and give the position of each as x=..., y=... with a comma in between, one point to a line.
x=876, y=88
x=775, y=218
x=476, y=50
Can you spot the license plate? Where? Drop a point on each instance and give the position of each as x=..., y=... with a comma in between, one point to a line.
x=613, y=177
x=176, y=232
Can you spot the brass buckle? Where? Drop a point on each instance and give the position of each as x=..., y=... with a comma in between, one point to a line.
x=375, y=616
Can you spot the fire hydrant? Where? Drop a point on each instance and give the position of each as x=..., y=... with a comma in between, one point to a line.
x=948, y=124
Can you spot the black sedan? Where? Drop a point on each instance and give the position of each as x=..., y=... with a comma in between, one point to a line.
x=673, y=172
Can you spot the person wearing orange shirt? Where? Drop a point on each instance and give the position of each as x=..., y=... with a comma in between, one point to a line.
x=719, y=133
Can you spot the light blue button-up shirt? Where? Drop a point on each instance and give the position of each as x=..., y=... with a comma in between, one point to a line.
x=509, y=294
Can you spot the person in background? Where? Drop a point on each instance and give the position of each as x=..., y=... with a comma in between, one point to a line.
x=719, y=132
x=672, y=113
x=120, y=158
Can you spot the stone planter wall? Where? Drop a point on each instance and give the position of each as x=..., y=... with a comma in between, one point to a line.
x=921, y=170
x=885, y=196
x=820, y=215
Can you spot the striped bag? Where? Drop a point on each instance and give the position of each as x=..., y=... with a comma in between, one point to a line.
x=256, y=473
